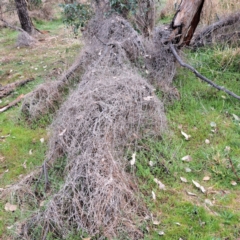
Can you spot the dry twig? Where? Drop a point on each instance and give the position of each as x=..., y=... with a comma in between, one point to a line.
x=8, y=89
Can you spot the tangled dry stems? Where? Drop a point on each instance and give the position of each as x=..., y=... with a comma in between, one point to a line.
x=150, y=56
x=224, y=31
x=47, y=97
x=95, y=128
x=104, y=117
x=160, y=63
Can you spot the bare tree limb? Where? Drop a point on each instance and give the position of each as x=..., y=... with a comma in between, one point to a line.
x=18, y=28
x=207, y=32
x=6, y=90
x=13, y=103
x=183, y=64
x=11, y=26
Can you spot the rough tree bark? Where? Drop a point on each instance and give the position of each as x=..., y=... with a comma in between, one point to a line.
x=25, y=20
x=185, y=21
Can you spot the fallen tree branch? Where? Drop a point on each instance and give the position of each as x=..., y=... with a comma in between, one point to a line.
x=18, y=28
x=207, y=32
x=183, y=64
x=6, y=90
x=11, y=26
x=13, y=103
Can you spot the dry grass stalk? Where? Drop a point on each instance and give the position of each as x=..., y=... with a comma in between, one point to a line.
x=214, y=10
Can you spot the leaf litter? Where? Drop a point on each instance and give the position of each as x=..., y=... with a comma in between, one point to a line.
x=197, y=185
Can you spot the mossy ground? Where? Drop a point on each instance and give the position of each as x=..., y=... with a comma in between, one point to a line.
x=202, y=112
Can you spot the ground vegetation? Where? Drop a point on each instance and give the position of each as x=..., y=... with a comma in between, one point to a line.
x=114, y=167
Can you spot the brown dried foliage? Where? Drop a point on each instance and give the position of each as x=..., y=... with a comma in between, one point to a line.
x=100, y=121
x=45, y=12
x=102, y=33
x=96, y=127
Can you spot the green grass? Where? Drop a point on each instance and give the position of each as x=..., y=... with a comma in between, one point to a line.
x=181, y=215
x=20, y=148
x=51, y=26
x=16, y=148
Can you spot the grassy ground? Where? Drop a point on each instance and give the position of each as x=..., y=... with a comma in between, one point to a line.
x=20, y=147
x=181, y=211
x=211, y=118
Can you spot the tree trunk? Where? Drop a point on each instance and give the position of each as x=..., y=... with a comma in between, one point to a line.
x=145, y=17
x=185, y=21
x=25, y=20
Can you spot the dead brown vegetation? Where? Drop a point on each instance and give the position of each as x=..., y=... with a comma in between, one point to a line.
x=103, y=118
x=45, y=12
x=102, y=34
x=99, y=124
